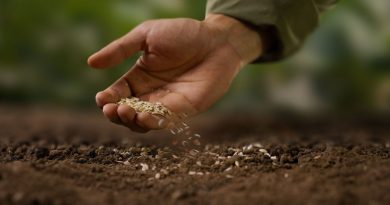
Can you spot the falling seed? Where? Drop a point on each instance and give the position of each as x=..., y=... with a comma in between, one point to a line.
x=237, y=164
x=173, y=132
x=197, y=135
x=162, y=123
x=157, y=176
x=174, y=156
x=285, y=175
x=199, y=163
x=274, y=158
x=217, y=162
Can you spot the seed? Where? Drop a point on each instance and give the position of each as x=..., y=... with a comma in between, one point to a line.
x=184, y=143
x=191, y=173
x=258, y=145
x=263, y=151
x=229, y=176
x=144, y=166
x=237, y=164
x=228, y=169
x=274, y=158
x=164, y=171
x=157, y=176
x=126, y=163
x=162, y=123
x=199, y=163
x=193, y=152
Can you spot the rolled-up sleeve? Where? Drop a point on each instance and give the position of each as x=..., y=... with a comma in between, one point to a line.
x=284, y=24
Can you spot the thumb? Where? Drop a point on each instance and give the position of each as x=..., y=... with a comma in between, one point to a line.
x=120, y=49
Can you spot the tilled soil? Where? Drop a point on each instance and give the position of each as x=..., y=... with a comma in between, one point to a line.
x=68, y=157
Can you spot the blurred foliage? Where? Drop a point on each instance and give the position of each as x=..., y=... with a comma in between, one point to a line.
x=343, y=67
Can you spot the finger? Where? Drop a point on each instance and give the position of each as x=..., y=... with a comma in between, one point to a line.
x=149, y=121
x=110, y=111
x=120, y=49
x=118, y=90
x=127, y=116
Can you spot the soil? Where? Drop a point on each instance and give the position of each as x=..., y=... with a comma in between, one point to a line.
x=51, y=156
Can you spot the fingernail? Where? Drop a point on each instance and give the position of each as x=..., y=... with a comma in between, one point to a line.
x=162, y=123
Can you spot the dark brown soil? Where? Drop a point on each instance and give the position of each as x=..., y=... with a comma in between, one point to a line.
x=62, y=157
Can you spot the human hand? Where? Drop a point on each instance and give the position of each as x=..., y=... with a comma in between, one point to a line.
x=187, y=65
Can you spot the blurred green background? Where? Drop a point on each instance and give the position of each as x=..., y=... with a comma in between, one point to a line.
x=344, y=66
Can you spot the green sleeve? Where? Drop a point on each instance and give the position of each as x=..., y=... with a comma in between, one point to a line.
x=285, y=24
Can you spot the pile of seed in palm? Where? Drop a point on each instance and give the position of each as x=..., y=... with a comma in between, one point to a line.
x=148, y=107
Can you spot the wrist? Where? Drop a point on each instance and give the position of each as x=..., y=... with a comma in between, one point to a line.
x=244, y=40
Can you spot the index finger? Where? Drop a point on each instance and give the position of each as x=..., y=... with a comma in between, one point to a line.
x=120, y=49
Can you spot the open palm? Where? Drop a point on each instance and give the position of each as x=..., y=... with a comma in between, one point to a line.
x=186, y=65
